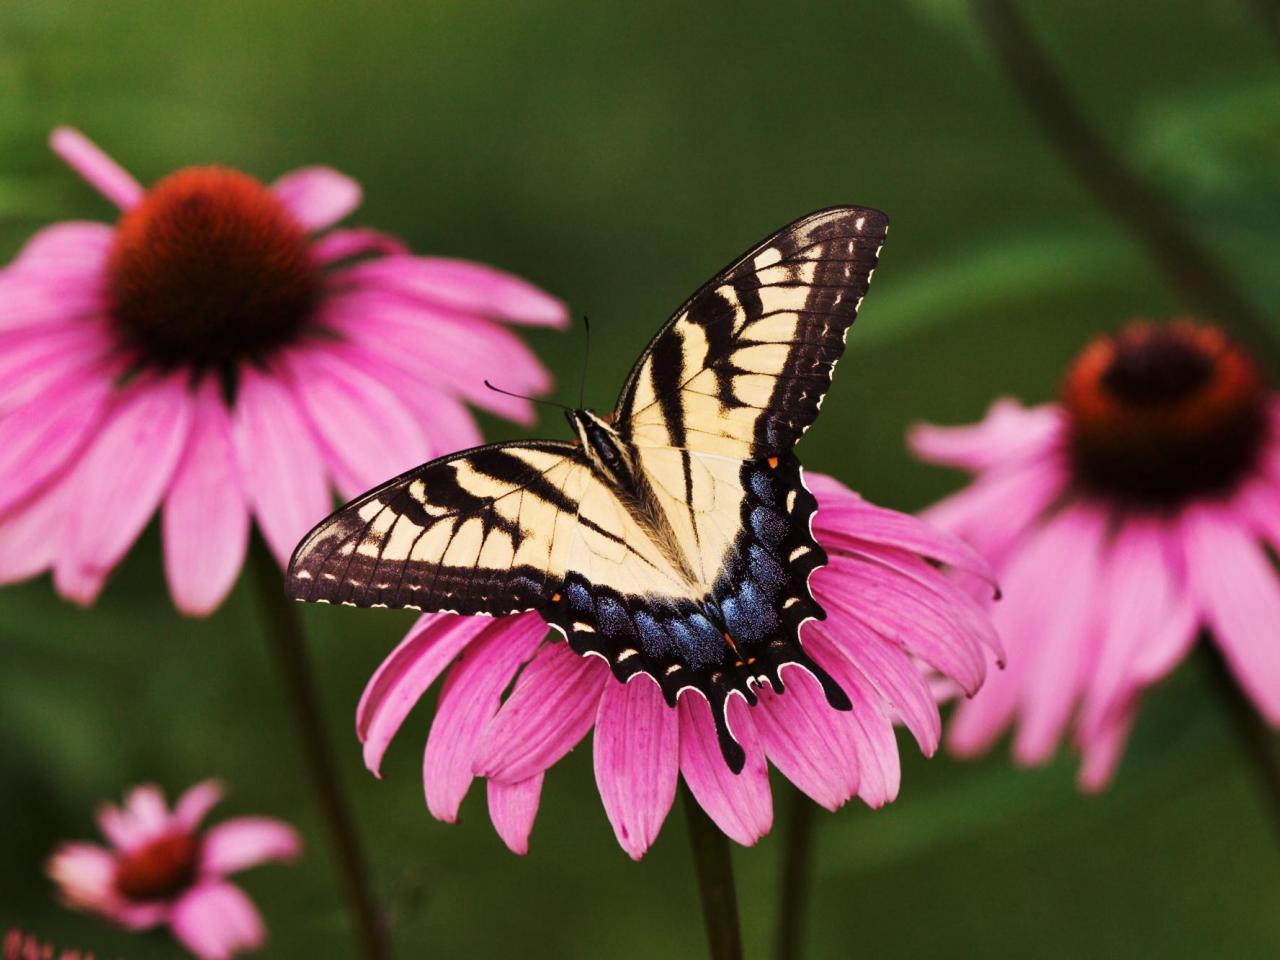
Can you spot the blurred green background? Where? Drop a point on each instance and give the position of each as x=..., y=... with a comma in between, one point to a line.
x=618, y=154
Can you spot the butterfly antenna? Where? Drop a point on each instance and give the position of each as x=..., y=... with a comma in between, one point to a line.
x=521, y=396
x=586, y=359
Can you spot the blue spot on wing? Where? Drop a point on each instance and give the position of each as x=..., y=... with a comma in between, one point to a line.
x=695, y=646
x=614, y=620
x=653, y=638
x=765, y=568
x=768, y=526
x=762, y=487
x=579, y=597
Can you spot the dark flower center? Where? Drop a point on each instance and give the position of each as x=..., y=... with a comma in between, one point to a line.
x=209, y=268
x=159, y=869
x=1160, y=414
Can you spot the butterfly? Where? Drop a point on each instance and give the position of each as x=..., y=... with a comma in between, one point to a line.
x=670, y=538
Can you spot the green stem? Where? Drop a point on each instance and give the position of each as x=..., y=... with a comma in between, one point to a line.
x=1189, y=268
x=714, y=868
x=1255, y=739
x=796, y=878
x=289, y=648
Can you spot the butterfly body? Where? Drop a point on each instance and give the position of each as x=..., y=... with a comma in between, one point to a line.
x=673, y=538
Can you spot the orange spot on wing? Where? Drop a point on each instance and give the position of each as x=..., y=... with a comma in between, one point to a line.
x=773, y=463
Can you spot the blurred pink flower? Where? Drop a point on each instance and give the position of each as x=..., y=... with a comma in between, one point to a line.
x=886, y=604
x=162, y=870
x=214, y=353
x=20, y=946
x=1121, y=522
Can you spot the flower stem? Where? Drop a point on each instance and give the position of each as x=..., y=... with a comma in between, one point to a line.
x=289, y=648
x=796, y=878
x=1254, y=737
x=1135, y=205
x=714, y=868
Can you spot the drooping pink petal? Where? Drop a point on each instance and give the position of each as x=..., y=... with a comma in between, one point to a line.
x=869, y=722
x=404, y=676
x=205, y=523
x=72, y=248
x=1102, y=748
x=895, y=677
x=470, y=698
x=366, y=431
x=842, y=514
x=1057, y=611
x=917, y=621
x=636, y=749
x=446, y=422
x=357, y=242
x=39, y=439
x=1238, y=592
x=812, y=743
x=551, y=708
x=101, y=172
x=947, y=592
x=998, y=509
x=318, y=197
x=452, y=427
x=465, y=286
x=1048, y=620
x=1140, y=596
x=739, y=804
x=1169, y=641
x=281, y=466
x=195, y=803
x=56, y=281
x=977, y=723
x=31, y=537
x=48, y=302
x=512, y=808
x=34, y=360
x=119, y=482
x=451, y=349
x=244, y=842
x=215, y=921
x=1008, y=431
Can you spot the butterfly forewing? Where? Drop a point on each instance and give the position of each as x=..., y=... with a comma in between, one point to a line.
x=742, y=367
x=484, y=531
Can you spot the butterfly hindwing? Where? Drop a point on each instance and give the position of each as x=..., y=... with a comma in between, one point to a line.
x=731, y=621
x=743, y=365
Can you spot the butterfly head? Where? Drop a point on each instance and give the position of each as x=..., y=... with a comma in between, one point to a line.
x=598, y=438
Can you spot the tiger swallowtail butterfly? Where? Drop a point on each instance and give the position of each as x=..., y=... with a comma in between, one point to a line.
x=672, y=538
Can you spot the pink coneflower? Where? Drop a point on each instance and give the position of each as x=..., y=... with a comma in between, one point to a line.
x=886, y=605
x=20, y=946
x=214, y=353
x=1122, y=522
x=161, y=869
